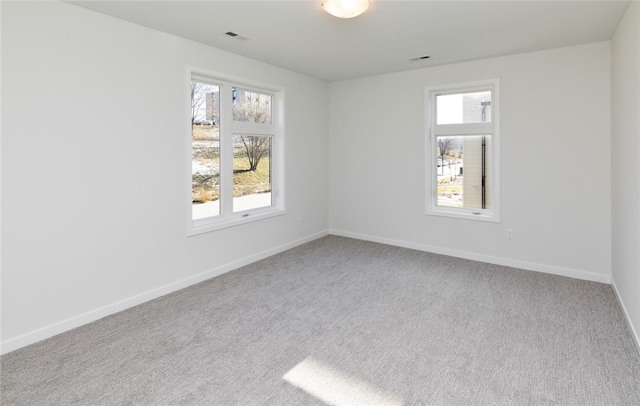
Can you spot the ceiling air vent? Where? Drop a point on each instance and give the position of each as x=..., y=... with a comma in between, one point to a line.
x=235, y=35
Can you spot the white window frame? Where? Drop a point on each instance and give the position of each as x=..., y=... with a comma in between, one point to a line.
x=433, y=130
x=229, y=127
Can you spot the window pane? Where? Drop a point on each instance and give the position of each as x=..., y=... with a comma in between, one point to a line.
x=463, y=108
x=251, y=172
x=251, y=106
x=205, y=150
x=463, y=166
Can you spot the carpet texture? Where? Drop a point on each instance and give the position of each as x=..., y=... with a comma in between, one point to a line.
x=345, y=322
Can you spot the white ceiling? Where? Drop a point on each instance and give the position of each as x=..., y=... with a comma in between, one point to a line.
x=298, y=35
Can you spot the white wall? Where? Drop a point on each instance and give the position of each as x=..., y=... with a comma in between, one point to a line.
x=625, y=148
x=93, y=162
x=93, y=210
x=555, y=156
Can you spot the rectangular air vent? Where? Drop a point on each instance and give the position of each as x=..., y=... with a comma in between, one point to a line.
x=235, y=35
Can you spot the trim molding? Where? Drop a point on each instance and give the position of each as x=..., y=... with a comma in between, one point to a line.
x=40, y=334
x=514, y=263
x=634, y=332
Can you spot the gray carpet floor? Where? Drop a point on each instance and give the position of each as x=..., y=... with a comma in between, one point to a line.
x=346, y=322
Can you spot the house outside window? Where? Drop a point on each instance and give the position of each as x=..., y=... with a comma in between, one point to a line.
x=462, y=153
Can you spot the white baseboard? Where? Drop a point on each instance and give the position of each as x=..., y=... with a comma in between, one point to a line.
x=93, y=315
x=530, y=266
x=634, y=332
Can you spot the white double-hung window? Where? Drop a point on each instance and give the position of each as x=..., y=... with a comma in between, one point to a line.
x=235, y=145
x=462, y=154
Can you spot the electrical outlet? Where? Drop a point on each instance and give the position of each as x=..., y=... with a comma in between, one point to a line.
x=510, y=233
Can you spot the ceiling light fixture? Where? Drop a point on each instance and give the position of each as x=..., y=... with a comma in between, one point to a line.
x=345, y=8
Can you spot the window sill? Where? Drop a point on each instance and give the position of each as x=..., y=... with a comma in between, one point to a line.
x=465, y=214
x=214, y=223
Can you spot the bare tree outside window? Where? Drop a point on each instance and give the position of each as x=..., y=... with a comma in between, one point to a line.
x=256, y=148
x=205, y=149
x=253, y=107
x=198, y=101
x=445, y=144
